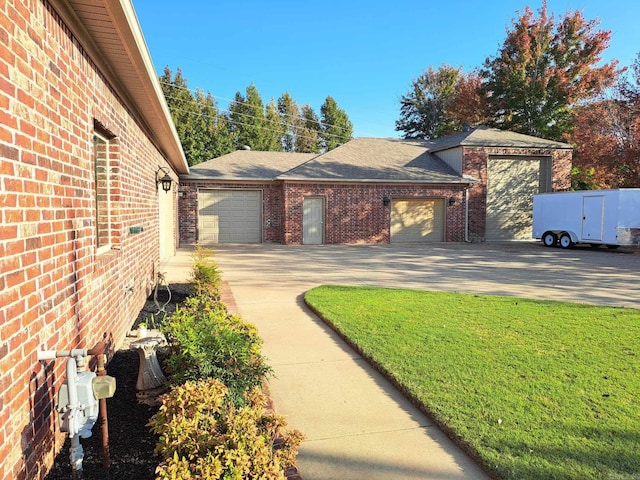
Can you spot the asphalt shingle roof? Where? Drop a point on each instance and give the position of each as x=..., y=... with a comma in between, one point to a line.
x=365, y=160
x=249, y=165
x=376, y=159
x=492, y=137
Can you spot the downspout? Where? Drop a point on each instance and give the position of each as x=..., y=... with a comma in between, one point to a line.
x=470, y=182
x=466, y=214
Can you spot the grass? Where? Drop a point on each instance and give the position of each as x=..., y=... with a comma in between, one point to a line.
x=536, y=389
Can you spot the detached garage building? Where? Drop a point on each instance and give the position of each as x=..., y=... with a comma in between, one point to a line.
x=476, y=185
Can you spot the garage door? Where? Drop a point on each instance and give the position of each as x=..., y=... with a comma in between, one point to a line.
x=417, y=220
x=229, y=216
x=511, y=184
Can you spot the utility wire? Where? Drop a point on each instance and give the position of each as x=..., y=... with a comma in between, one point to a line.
x=266, y=128
x=193, y=94
x=235, y=122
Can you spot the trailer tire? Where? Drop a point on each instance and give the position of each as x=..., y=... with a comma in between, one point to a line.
x=549, y=239
x=565, y=241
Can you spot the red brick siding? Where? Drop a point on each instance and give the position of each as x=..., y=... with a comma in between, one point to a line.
x=55, y=291
x=272, y=211
x=354, y=213
x=474, y=164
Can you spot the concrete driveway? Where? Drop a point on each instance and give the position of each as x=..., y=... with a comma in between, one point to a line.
x=583, y=274
x=358, y=426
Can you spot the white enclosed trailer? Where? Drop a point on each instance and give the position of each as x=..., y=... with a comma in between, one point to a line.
x=595, y=217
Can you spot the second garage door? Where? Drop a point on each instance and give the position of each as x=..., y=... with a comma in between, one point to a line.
x=512, y=182
x=417, y=220
x=229, y=216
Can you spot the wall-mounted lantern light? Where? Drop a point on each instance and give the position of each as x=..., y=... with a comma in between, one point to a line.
x=452, y=201
x=386, y=201
x=165, y=180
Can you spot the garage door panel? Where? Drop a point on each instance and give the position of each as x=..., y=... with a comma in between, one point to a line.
x=417, y=220
x=230, y=216
x=512, y=182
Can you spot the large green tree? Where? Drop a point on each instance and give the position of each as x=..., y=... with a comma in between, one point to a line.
x=290, y=121
x=543, y=69
x=308, y=137
x=247, y=118
x=423, y=108
x=215, y=127
x=203, y=131
x=335, y=128
x=185, y=114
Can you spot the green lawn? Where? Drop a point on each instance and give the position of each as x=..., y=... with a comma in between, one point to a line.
x=538, y=389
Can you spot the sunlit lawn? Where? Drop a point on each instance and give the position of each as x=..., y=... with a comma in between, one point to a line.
x=538, y=389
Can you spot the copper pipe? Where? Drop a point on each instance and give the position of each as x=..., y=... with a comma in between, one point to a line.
x=98, y=352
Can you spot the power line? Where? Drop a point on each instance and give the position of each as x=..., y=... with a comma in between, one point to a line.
x=296, y=117
x=266, y=128
x=235, y=122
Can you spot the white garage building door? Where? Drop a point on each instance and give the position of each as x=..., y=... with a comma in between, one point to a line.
x=229, y=216
x=417, y=220
x=511, y=184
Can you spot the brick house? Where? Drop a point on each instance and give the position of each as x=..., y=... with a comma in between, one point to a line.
x=475, y=185
x=84, y=136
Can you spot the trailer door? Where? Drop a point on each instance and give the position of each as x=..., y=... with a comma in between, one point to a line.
x=592, y=217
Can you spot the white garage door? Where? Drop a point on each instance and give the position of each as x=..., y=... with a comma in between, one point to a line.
x=229, y=216
x=417, y=220
x=511, y=184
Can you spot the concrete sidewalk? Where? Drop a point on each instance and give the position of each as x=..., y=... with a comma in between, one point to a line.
x=357, y=425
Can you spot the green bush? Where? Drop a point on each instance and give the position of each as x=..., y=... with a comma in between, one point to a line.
x=206, y=341
x=205, y=276
x=204, y=435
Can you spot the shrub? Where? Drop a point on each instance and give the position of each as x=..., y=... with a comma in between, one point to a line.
x=206, y=341
x=204, y=435
x=205, y=276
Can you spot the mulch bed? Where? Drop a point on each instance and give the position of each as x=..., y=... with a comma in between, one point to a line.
x=131, y=443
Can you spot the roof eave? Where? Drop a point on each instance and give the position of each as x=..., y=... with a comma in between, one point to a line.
x=373, y=180
x=141, y=93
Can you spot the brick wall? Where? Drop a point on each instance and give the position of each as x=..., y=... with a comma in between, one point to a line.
x=56, y=291
x=475, y=165
x=354, y=213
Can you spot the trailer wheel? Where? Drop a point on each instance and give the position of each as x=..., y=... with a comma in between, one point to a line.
x=565, y=241
x=549, y=239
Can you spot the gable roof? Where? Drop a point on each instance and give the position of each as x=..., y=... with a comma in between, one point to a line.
x=365, y=160
x=375, y=160
x=249, y=165
x=492, y=137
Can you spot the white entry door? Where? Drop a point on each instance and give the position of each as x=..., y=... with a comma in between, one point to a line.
x=593, y=217
x=313, y=221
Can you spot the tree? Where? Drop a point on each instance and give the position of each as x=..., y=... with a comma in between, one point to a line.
x=217, y=137
x=607, y=137
x=423, y=109
x=308, y=138
x=469, y=104
x=273, y=131
x=336, y=128
x=246, y=115
x=543, y=69
x=203, y=131
x=290, y=121
x=185, y=114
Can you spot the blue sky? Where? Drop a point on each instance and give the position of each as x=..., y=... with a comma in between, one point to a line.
x=362, y=53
